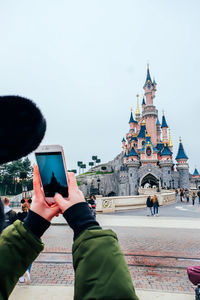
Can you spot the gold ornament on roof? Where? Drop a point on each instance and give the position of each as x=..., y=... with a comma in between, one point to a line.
x=137, y=109
x=170, y=139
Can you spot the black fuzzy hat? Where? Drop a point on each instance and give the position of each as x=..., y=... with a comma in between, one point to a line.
x=22, y=127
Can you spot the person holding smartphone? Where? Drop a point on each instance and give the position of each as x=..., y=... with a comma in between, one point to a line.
x=98, y=273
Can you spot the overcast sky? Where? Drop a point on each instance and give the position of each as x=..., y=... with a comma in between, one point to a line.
x=83, y=62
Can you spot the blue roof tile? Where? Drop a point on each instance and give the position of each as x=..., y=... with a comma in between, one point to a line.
x=132, y=119
x=143, y=102
x=196, y=173
x=181, y=153
x=164, y=123
x=133, y=152
x=123, y=140
x=157, y=122
x=142, y=132
x=166, y=151
x=148, y=78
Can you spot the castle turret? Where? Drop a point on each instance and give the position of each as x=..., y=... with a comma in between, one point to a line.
x=182, y=167
x=166, y=164
x=141, y=135
x=150, y=113
x=195, y=174
x=143, y=103
x=158, y=128
x=133, y=123
x=164, y=127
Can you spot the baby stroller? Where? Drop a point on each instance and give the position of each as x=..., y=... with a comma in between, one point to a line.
x=194, y=277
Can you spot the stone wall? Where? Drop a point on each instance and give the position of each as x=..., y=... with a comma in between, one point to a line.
x=112, y=204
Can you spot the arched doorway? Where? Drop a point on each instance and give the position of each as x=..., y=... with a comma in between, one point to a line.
x=149, y=181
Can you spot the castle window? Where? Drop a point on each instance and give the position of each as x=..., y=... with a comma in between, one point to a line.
x=168, y=172
x=130, y=174
x=143, y=142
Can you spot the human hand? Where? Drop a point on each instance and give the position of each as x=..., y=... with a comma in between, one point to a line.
x=75, y=195
x=39, y=204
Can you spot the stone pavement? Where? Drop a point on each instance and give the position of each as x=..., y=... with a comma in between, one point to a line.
x=66, y=293
x=157, y=251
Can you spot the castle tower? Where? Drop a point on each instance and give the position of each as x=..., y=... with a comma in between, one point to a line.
x=132, y=122
x=166, y=164
x=158, y=128
x=143, y=104
x=182, y=167
x=150, y=113
x=164, y=127
x=133, y=165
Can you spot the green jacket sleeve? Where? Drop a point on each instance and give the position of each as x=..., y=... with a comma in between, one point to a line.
x=100, y=268
x=18, y=249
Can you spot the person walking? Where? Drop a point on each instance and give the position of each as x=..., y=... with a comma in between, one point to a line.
x=10, y=215
x=155, y=205
x=198, y=194
x=193, y=198
x=25, y=206
x=149, y=204
x=181, y=195
x=92, y=205
x=187, y=195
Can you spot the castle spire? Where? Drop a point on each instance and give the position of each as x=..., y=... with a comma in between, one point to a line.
x=164, y=123
x=181, y=153
x=131, y=118
x=148, y=78
x=170, y=139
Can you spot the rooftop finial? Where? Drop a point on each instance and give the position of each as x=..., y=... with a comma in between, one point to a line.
x=180, y=140
x=137, y=109
x=170, y=139
x=163, y=112
x=131, y=109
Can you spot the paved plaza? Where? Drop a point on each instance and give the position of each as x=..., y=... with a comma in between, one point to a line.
x=157, y=250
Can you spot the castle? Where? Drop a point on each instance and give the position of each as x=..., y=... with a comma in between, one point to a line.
x=147, y=156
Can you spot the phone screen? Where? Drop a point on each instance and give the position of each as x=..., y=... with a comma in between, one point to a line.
x=52, y=173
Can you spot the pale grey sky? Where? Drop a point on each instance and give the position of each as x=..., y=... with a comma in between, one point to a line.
x=84, y=61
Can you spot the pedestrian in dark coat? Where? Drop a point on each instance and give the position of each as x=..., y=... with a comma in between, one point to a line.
x=149, y=204
x=155, y=205
x=193, y=198
x=1, y=216
x=181, y=195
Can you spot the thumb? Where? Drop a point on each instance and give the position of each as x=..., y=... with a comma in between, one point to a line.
x=61, y=202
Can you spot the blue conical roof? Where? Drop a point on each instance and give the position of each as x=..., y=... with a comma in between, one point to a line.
x=181, y=153
x=133, y=152
x=142, y=132
x=148, y=78
x=123, y=140
x=125, y=155
x=143, y=102
x=196, y=173
x=132, y=119
x=164, y=123
x=166, y=151
x=157, y=122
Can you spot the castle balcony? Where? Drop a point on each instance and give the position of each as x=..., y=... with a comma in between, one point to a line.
x=166, y=163
x=150, y=110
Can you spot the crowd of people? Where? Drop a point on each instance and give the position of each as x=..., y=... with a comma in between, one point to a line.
x=186, y=194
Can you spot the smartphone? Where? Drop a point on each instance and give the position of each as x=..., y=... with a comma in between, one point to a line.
x=53, y=171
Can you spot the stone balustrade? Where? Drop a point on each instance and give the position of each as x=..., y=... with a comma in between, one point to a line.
x=120, y=203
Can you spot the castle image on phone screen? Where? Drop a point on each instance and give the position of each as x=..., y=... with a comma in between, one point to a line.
x=52, y=173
